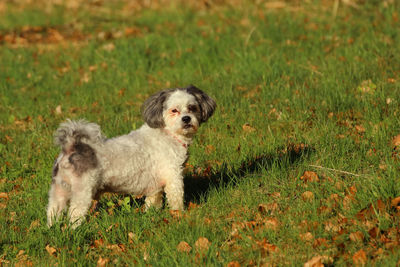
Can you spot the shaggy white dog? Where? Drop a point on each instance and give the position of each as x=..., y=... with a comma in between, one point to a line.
x=145, y=162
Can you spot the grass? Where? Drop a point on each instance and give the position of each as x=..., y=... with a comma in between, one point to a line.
x=295, y=87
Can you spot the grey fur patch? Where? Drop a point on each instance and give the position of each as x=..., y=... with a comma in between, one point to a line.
x=152, y=109
x=83, y=158
x=207, y=104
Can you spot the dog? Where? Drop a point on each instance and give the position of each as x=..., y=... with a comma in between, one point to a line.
x=146, y=162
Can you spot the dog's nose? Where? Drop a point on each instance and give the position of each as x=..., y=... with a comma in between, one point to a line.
x=186, y=119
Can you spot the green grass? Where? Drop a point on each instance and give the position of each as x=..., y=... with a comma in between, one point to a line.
x=295, y=87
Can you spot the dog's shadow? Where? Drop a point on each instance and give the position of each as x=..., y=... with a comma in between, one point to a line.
x=197, y=186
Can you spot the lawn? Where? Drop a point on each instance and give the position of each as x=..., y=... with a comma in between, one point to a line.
x=299, y=165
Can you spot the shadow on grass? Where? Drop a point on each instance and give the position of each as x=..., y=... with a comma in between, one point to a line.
x=198, y=186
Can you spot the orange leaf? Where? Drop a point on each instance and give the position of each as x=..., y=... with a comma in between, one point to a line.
x=102, y=262
x=184, y=247
x=52, y=251
x=307, y=196
x=309, y=176
x=202, y=244
x=233, y=264
x=314, y=262
x=360, y=258
x=4, y=195
x=307, y=236
x=247, y=128
x=356, y=236
x=395, y=202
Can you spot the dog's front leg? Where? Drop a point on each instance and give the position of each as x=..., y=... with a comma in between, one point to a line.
x=155, y=200
x=82, y=191
x=174, y=191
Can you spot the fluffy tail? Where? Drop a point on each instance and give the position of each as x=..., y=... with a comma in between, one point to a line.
x=73, y=132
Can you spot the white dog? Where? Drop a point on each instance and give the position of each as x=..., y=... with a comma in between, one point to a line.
x=146, y=162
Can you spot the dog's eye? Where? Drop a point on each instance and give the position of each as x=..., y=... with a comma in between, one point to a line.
x=174, y=110
x=193, y=108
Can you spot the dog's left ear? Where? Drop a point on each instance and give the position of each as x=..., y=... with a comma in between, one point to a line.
x=152, y=109
x=207, y=104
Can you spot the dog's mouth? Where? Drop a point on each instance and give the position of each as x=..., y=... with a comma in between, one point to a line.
x=187, y=126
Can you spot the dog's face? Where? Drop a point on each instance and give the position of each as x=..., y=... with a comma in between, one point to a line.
x=180, y=111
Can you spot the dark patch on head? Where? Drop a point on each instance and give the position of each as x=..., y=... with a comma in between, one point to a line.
x=83, y=158
x=207, y=104
x=153, y=107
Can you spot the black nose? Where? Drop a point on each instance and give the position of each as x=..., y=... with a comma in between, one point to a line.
x=186, y=119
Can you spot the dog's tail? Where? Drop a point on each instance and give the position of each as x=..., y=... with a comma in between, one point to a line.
x=72, y=132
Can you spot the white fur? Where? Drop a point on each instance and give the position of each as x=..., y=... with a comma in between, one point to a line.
x=145, y=162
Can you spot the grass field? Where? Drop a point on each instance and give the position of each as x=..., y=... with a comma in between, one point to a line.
x=299, y=164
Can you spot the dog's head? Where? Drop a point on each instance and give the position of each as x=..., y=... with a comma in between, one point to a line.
x=180, y=110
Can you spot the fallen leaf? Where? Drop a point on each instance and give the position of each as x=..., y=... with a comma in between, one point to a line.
x=307, y=196
x=360, y=257
x=309, y=176
x=233, y=264
x=271, y=224
x=52, y=251
x=131, y=237
x=4, y=195
x=314, y=262
x=58, y=110
x=395, y=202
x=247, y=128
x=34, y=224
x=360, y=128
x=101, y=262
x=356, y=236
x=202, y=244
x=108, y=47
x=266, y=208
x=396, y=141
x=184, y=247
x=307, y=237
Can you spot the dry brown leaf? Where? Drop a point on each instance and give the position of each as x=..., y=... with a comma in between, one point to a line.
x=307, y=196
x=395, y=202
x=209, y=149
x=265, y=208
x=202, y=244
x=360, y=128
x=34, y=224
x=101, y=262
x=310, y=176
x=314, y=262
x=307, y=237
x=396, y=141
x=347, y=202
x=4, y=195
x=356, y=236
x=184, y=247
x=360, y=257
x=58, y=110
x=131, y=237
x=233, y=264
x=275, y=5
x=108, y=47
x=248, y=128
x=52, y=251
x=271, y=224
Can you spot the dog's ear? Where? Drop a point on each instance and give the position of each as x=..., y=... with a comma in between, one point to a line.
x=152, y=109
x=207, y=104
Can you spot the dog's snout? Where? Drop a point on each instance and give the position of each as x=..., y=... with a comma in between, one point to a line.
x=186, y=119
